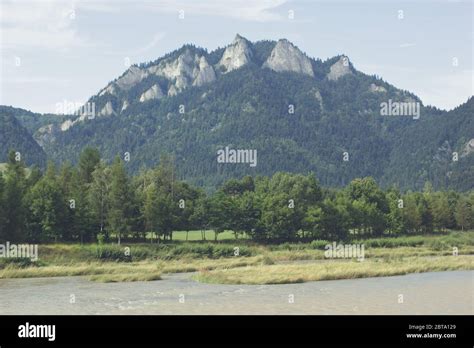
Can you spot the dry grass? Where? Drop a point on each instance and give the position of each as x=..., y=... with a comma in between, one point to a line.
x=308, y=254
x=80, y=269
x=126, y=277
x=269, y=266
x=133, y=271
x=298, y=273
x=206, y=264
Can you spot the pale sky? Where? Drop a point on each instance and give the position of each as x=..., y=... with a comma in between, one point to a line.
x=67, y=50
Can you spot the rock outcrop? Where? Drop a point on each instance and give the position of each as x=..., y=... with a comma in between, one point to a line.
x=339, y=69
x=124, y=106
x=110, y=89
x=205, y=73
x=154, y=92
x=172, y=91
x=319, y=98
x=107, y=110
x=377, y=89
x=133, y=76
x=188, y=69
x=287, y=57
x=468, y=148
x=235, y=55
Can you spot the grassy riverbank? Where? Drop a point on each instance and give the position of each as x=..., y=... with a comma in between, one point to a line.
x=331, y=270
x=243, y=262
x=130, y=271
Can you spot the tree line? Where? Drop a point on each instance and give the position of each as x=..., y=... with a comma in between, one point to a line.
x=94, y=201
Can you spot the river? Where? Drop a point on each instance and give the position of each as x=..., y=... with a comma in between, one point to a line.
x=425, y=293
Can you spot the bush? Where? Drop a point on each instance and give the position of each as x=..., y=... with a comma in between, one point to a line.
x=267, y=260
x=319, y=244
x=243, y=251
x=207, y=250
x=113, y=253
x=439, y=245
x=192, y=250
x=392, y=242
x=19, y=262
x=225, y=251
x=458, y=238
x=290, y=246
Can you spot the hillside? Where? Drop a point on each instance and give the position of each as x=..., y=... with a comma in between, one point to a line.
x=300, y=114
x=13, y=136
x=33, y=121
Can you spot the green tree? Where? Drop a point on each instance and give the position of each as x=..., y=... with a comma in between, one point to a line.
x=248, y=214
x=411, y=213
x=99, y=198
x=151, y=210
x=333, y=221
x=2, y=209
x=395, y=221
x=222, y=213
x=464, y=213
x=47, y=209
x=369, y=205
x=88, y=161
x=15, y=190
x=278, y=218
x=199, y=219
x=185, y=202
x=441, y=210
x=165, y=219
x=120, y=208
x=66, y=182
x=35, y=175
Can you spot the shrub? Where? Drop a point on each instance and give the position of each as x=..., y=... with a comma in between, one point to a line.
x=18, y=262
x=319, y=244
x=392, y=242
x=267, y=260
x=113, y=253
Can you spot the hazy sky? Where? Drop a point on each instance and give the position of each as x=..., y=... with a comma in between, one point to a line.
x=56, y=50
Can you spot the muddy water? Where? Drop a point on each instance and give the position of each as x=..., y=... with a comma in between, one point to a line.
x=426, y=293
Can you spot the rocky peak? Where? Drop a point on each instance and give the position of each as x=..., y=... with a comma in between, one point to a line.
x=172, y=91
x=339, y=69
x=133, y=75
x=154, y=92
x=190, y=68
x=236, y=55
x=107, y=110
x=318, y=97
x=204, y=72
x=287, y=57
x=109, y=89
x=130, y=78
x=468, y=148
x=124, y=106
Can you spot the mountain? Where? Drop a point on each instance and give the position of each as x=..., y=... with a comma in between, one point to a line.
x=299, y=113
x=439, y=149
x=13, y=136
x=33, y=121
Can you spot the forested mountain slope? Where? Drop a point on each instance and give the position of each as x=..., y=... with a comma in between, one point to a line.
x=300, y=114
x=13, y=136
